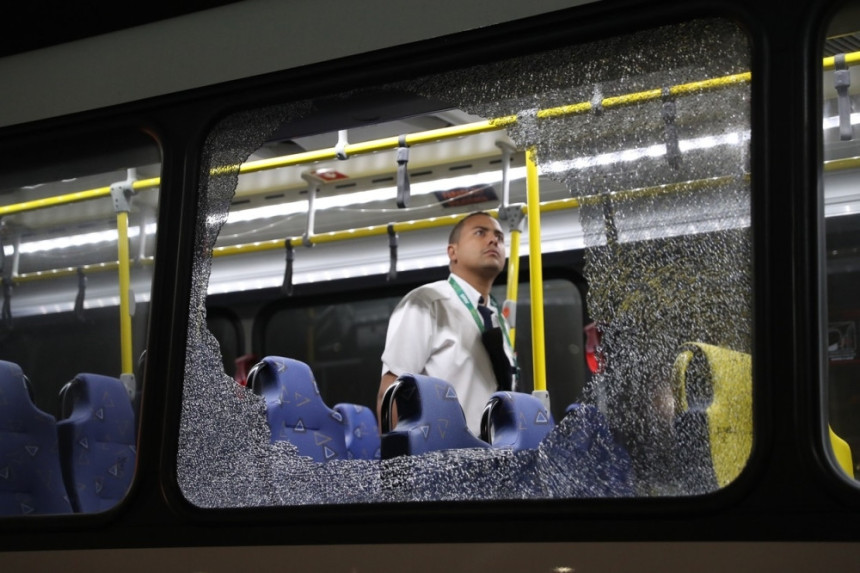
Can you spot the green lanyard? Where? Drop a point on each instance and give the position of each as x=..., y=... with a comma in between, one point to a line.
x=464, y=298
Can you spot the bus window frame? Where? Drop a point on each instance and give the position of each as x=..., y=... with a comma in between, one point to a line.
x=724, y=495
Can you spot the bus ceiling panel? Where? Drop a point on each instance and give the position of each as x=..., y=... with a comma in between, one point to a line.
x=366, y=109
x=50, y=158
x=842, y=43
x=371, y=168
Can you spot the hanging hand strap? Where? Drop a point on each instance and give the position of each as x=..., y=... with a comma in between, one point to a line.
x=673, y=149
x=842, y=80
x=392, y=247
x=287, y=286
x=402, y=173
x=7, y=303
x=79, y=298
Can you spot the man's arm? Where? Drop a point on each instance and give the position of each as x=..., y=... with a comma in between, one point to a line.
x=387, y=380
x=407, y=344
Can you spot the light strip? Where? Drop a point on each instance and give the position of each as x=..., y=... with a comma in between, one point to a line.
x=833, y=122
x=488, y=177
x=389, y=193
x=80, y=240
x=381, y=194
x=658, y=150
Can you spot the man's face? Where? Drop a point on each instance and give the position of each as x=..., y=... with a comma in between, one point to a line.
x=481, y=246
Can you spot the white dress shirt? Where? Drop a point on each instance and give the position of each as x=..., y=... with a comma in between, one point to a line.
x=432, y=332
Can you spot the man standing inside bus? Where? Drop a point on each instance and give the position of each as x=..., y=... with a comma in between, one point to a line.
x=453, y=329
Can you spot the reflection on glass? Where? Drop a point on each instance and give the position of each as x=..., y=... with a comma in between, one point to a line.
x=643, y=179
x=76, y=253
x=842, y=228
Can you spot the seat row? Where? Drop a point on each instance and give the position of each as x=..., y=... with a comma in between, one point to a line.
x=85, y=461
x=430, y=417
x=82, y=463
x=712, y=419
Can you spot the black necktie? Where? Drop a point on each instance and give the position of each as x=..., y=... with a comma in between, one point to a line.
x=492, y=340
x=486, y=313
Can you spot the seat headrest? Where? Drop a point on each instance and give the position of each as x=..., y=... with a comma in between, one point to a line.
x=86, y=389
x=14, y=383
x=704, y=374
x=430, y=418
x=272, y=372
x=515, y=420
x=716, y=383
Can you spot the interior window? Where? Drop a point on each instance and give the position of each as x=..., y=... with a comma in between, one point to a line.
x=842, y=229
x=76, y=254
x=638, y=171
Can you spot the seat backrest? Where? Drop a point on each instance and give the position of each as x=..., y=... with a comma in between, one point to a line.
x=98, y=443
x=295, y=411
x=31, y=480
x=429, y=418
x=515, y=420
x=842, y=452
x=361, y=432
x=712, y=389
x=601, y=463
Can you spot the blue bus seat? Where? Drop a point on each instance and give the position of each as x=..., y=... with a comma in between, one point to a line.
x=841, y=451
x=515, y=420
x=97, y=433
x=603, y=464
x=712, y=389
x=295, y=411
x=31, y=480
x=361, y=432
x=429, y=418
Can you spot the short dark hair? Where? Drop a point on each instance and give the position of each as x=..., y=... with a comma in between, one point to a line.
x=454, y=236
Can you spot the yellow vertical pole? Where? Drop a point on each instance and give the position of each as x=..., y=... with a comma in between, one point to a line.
x=124, y=292
x=535, y=273
x=513, y=280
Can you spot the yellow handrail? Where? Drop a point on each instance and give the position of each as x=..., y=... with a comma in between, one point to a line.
x=646, y=96
x=513, y=280
x=124, y=293
x=448, y=220
x=498, y=123
x=535, y=272
x=65, y=272
x=405, y=226
x=840, y=164
x=851, y=59
x=389, y=143
x=373, y=146
x=75, y=197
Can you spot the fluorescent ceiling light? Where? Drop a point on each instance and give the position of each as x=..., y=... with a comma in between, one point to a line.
x=658, y=150
x=486, y=178
x=80, y=240
x=382, y=194
x=419, y=188
x=832, y=122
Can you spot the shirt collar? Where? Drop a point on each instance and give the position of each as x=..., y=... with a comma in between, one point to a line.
x=470, y=291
